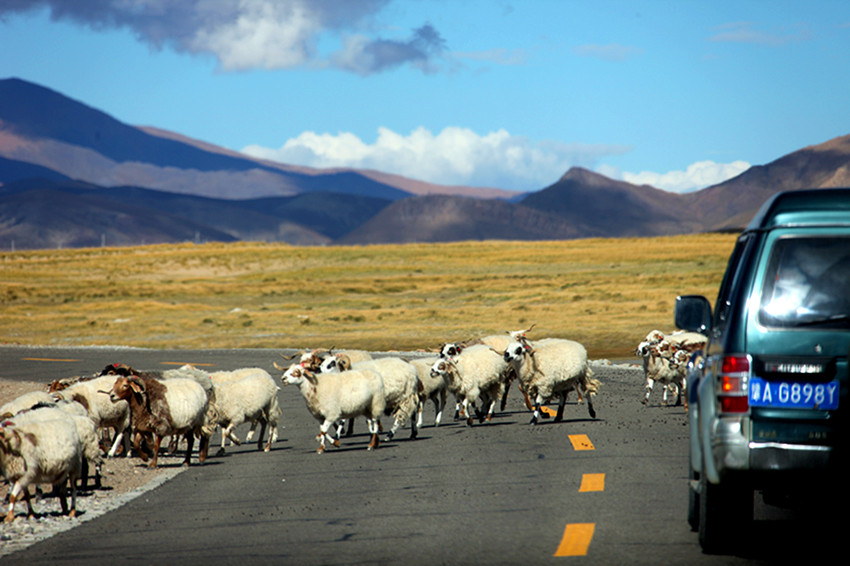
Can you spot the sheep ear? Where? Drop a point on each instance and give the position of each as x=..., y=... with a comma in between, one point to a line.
x=137, y=386
x=311, y=377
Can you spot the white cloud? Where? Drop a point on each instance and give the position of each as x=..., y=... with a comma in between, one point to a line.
x=610, y=52
x=454, y=156
x=697, y=176
x=745, y=32
x=249, y=34
x=262, y=34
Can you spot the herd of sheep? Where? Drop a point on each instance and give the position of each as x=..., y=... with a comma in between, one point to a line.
x=55, y=436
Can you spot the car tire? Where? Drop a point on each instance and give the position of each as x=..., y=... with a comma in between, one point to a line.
x=725, y=512
x=693, y=499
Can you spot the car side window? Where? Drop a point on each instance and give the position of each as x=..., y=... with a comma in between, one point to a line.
x=732, y=275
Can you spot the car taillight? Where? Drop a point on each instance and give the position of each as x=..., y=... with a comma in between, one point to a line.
x=733, y=384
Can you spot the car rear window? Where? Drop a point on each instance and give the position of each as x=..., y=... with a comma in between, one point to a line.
x=807, y=283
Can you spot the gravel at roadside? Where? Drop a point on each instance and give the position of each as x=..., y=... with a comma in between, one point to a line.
x=122, y=479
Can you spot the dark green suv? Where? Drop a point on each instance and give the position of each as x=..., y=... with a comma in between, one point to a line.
x=768, y=398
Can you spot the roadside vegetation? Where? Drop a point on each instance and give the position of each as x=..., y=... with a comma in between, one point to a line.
x=605, y=293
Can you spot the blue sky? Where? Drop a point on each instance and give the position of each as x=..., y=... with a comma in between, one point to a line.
x=500, y=93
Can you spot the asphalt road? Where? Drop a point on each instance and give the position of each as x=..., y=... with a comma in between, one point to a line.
x=610, y=490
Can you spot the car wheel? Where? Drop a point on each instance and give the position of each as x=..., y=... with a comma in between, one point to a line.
x=725, y=511
x=693, y=498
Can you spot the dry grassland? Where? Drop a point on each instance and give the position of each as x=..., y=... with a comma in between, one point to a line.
x=605, y=293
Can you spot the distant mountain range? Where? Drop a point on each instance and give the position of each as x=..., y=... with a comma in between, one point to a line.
x=72, y=176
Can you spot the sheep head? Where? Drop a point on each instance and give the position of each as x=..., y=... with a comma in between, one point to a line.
x=118, y=369
x=126, y=388
x=297, y=374
x=451, y=349
x=444, y=368
x=516, y=350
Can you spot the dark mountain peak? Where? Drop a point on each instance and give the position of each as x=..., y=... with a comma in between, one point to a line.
x=584, y=176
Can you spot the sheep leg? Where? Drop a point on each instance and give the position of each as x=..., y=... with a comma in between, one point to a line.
x=203, y=448
x=467, y=405
x=263, y=435
x=649, y=384
x=272, y=436
x=84, y=473
x=460, y=410
x=251, y=431
x=373, y=429
x=232, y=435
x=157, y=441
x=119, y=437
x=190, y=443
x=438, y=407
x=489, y=416
x=13, y=498
x=73, y=512
x=505, y=396
x=561, y=403
x=323, y=433
x=536, y=414
x=137, y=446
x=414, y=427
x=538, y=409
x=63, y=497
x=226, y=432
x=526, y=396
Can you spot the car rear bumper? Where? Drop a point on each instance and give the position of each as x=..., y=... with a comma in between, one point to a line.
x=782, y=456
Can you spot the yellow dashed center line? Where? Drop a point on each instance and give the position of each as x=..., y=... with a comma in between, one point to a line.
x=577, y=536
x=581, y=442
x=592, y=482
x=50, y=360
x=576, y=539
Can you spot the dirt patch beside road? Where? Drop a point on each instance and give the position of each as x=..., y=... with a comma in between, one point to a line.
x=122, y=479
x=120, y=475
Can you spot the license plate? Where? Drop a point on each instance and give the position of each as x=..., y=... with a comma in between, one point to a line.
x=793, y=394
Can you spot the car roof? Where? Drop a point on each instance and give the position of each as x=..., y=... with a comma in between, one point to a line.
x=809, y=207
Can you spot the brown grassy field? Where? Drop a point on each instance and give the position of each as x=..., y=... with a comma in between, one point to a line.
x=605, y=293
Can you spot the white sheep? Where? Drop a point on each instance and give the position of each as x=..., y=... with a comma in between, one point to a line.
x=25, y=401
x=433, y=387
x=246, y=395
x=86, y=431
x=40, y=451
x=657, y=343
x=668, y=366
x=93, y=394
x=336, y=362
x=476, y=372
x=331, y=397
x=400, y=388
x=553, y=366
x=500, y=343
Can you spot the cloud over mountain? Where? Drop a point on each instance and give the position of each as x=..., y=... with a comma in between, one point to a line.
x=456, y=156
